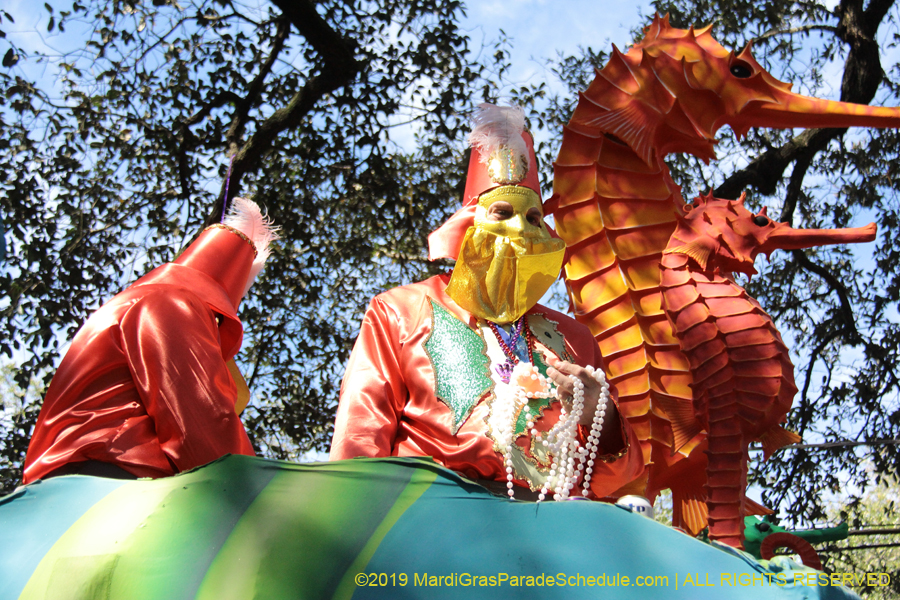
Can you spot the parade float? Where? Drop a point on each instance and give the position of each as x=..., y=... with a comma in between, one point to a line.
x=700, y=369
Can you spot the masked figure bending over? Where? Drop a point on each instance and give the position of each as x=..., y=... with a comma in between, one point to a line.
x=148, y=387
x=433, y=358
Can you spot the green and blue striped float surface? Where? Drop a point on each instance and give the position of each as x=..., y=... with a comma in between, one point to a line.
x=247, y=528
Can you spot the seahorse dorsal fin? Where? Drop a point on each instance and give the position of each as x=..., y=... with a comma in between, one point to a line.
x=635, y=124
x=685, y=425
x=776, y=437
x=699, y=249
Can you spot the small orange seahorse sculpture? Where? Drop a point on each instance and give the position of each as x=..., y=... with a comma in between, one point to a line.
x=616, y=207
x=743, y=378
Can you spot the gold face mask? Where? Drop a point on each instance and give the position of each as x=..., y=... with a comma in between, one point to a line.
x=506, y=263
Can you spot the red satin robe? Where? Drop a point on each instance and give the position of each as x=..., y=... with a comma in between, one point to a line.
x=389, y=403
x=145, y=385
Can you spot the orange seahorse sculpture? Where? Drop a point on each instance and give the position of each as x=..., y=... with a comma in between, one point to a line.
x=616, y=207
x=743, y=378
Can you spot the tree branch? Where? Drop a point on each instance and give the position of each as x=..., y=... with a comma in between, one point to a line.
x=186, y=138
x=337, y=52
x=339, y=68
x=239, y=121
x=862, y=71
x=862, y=76
x=793, y=30
x=795, y=187
x=160, y=39
x=845, y=444
x=874, y=14
x=220, y=99
x=864, y=547
x=874, y=531
x=805, y=413
x=846, y=310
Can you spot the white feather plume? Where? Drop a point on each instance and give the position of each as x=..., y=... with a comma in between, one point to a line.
x=495, y=126
x=246, y=216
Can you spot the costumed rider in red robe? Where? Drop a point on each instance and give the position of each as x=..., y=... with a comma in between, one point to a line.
x=436, y=362
x=148, y=387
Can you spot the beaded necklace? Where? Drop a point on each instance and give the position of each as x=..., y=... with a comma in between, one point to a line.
x=569, y=460
x=504, y=370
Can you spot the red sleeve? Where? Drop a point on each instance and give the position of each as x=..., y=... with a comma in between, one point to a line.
x=171, y=341
x=373, y=393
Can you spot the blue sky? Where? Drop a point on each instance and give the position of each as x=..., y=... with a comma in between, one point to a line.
x=541, y=28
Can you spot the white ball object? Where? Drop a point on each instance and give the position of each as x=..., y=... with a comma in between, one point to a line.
x=637, y=504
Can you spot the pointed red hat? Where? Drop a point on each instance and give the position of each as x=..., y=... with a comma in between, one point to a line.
x=220, y=265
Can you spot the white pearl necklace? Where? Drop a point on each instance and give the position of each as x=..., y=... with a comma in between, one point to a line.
x=567, y=458
x=525, y=383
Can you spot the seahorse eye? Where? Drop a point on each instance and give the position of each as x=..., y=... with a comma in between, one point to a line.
x=761, y=220
x=741, y=71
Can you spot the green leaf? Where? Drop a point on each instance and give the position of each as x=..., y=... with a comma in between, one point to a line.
x=10, y=58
